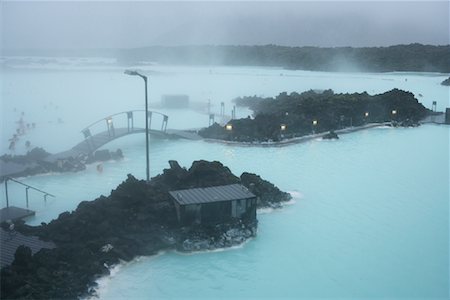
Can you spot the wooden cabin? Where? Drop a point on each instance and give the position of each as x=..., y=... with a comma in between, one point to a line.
x=213, y=205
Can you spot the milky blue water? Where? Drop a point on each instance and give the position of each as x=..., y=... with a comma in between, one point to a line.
x=371, y=211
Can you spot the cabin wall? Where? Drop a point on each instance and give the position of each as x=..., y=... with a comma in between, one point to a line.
x=178, y=210
x=216, y=212
x=250, y=213
x=239, y=207
x=191, y=214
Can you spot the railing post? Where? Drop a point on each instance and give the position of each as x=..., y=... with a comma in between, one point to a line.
x=164, y=124
x=108, y=121
x=26, y=193
x=88, y=138
x=130, y=120
x=149, y=120
x=6, y=190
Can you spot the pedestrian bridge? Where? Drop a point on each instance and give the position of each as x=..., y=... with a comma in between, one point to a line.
x=119, y=125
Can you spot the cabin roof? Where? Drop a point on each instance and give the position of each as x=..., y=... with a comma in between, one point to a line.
x=10, y=241
x=211, y=194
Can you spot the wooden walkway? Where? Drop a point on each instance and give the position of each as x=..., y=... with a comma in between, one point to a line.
x=184, y=134
x=14, y=213
x=11, y=240
x=92, y=143
x=436, y=119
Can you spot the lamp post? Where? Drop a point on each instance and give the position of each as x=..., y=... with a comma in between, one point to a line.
x=282, y=129
x=314, y=123
x=394, y=114
x=135, y=73
x=229, y=128
x=366, y=116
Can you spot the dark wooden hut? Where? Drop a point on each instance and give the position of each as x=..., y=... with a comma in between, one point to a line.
x=214, y=205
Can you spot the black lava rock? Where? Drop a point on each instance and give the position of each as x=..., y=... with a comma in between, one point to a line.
x=137, y=218
x=330, y=136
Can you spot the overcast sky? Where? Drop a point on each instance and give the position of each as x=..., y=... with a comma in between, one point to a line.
x=110, y=24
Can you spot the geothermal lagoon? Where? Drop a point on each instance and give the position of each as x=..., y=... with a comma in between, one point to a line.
x=370, y=215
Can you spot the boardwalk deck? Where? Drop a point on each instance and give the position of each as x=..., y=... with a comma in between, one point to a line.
x=92, y=143
x=436, y=119
x=184, y=134
x=11, y=240
x=14, y=213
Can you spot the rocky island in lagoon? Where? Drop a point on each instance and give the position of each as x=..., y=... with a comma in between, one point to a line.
x=294, y=115
x=137, y=219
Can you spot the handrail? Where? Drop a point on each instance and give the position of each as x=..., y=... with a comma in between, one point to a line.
x=119, y=113
x=29, y=186
x=26, y=190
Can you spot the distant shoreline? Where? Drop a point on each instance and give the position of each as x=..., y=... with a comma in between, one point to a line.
x=403, y=57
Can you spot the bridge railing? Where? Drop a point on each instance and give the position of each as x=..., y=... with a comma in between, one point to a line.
x=131, y=120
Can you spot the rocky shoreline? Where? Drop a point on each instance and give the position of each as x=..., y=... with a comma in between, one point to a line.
x=446, y=82
x=136, y=219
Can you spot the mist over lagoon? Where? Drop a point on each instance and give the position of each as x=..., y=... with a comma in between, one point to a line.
x=338, y=187
x=352, y=195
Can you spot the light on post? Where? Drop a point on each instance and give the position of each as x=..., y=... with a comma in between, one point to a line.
x=229, y=127
x=283, y=127
x=366, y=114
x=314, y=124
x=394, y=112
x=147, y=155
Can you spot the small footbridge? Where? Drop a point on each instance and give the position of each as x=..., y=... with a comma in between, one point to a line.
x=119, y=125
